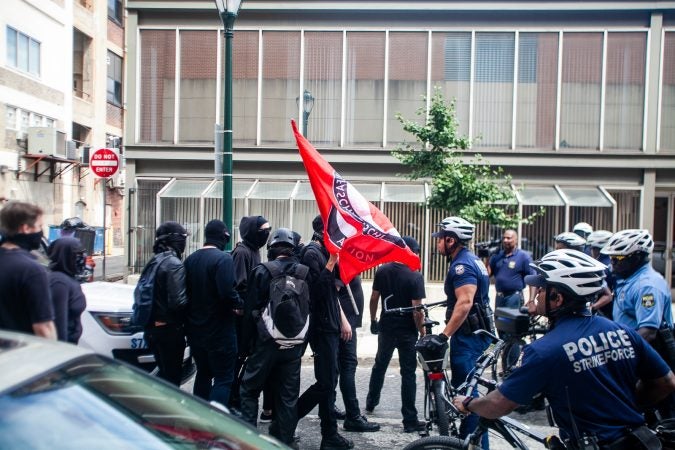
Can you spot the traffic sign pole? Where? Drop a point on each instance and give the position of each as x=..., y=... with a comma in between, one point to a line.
x=104, y=163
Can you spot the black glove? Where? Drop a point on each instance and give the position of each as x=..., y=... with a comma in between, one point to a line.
x=374, y=327
x=438, y=341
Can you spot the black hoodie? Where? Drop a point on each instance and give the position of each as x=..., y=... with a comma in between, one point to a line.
x=246, y=255
x=67, y=297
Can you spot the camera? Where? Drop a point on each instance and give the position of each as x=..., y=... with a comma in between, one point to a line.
x=486, y=249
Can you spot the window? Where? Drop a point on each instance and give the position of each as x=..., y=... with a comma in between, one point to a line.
x=667, y=131
x=23, y=52
x=115, y=10
x=158, y=77
x=10, y=118
x=114, y=79
x=451, y=72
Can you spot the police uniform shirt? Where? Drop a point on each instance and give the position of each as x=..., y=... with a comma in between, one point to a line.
x=510, y=271
x=398, y=287
x=466, y=268
x=642, y=300
x=589, y=365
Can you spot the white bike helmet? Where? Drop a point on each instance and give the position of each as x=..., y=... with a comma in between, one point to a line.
x=572, y=270
x=626, y=242
x=599, y=238
x=582, y=227
x=456, y=225
x=570, y=239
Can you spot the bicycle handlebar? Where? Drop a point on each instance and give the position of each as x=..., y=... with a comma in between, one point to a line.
x=421, y=306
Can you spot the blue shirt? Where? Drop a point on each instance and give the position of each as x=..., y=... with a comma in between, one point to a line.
x=466, y=268
x=590, y=365
x=642, y=300
x=509, y=271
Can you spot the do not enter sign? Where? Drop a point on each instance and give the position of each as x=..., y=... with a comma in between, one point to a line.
x=104, y=162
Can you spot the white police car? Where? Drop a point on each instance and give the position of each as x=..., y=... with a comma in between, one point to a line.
x=107, y=329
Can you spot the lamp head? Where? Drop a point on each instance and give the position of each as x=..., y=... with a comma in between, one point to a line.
x=230, y=7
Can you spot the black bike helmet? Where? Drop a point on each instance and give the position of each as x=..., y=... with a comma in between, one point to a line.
x=282, y=236
x=72, y=223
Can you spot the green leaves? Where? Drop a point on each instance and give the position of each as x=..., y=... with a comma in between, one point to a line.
x=473, y=190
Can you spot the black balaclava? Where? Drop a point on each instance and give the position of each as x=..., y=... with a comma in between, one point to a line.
x=297, y=249
x=250, y=231
x=170, y=236
x=317, y=226
x=66, y=255
x=216, y=234
x=27, y=241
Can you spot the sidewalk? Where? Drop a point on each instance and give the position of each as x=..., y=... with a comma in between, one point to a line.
x=366, y=343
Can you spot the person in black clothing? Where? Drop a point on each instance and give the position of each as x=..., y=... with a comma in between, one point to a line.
x=399, y=287
x=254, y=232
x=210, y=314
x=67, y=261
x=164, y=332
x=328, y=325
x=347, y=358
x=268, y=357
x=25, y=303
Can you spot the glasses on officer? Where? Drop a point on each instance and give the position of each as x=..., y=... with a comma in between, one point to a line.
x=617, y=258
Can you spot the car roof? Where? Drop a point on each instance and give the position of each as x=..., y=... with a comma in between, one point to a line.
x=105, y=296
x=24, y=357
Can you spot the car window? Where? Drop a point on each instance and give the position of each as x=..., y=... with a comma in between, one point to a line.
x=97, y=403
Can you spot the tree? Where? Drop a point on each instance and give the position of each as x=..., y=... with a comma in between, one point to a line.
x=475, y=190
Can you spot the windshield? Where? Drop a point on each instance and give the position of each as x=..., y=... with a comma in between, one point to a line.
x=95, y=403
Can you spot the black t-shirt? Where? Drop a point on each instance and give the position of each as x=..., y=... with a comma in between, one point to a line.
x=69, y=304
x=25, y=297
x=398, y=287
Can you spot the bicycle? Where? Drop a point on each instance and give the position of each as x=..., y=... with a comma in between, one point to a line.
x=522, y=329
x=506, y=427
x=436, y=383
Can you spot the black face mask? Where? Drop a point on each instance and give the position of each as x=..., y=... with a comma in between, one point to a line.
x=27, y=241
x=261, y=237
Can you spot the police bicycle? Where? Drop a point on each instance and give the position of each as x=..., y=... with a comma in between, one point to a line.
x=510, y=430
x=437, y=392
x=521, y=329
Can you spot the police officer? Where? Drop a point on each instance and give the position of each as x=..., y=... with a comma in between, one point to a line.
x=399, y=287
x=641, y=298
x=466, y=287
x=606, y=369
x=569, y=240
x=509, y=268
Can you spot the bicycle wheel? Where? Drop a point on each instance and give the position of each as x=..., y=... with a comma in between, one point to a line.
x=510, y=355
x=436, y=443
x=439, y=407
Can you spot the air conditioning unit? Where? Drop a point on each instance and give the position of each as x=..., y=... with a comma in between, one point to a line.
x=117, y=180
x=46, y=141
x=71, y=150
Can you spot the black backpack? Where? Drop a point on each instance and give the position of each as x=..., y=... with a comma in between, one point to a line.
x=285, y=318
x=144, y=294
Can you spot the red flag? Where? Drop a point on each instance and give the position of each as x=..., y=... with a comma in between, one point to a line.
x=354, y=228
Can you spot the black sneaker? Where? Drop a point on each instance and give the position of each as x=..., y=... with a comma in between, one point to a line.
x=360, y=424
x=264, y=417
x=339, y=414
x=414, y=427
x=336, y=442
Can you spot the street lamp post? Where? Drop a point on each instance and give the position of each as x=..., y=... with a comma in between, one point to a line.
x=307, y=105
x=228, y=10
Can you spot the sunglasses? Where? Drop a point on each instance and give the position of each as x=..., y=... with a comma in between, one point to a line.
x=618, y=258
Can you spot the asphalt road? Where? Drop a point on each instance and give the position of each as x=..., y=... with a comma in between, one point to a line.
x=387, y=414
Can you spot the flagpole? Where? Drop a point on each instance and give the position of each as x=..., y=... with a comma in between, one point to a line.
x=351, y=296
